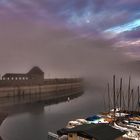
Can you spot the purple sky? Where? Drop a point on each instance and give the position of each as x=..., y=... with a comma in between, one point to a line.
x=62, y=34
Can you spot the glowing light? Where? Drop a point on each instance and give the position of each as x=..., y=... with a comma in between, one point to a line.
x=80, y=20
x=125, y=27
x=87, y=21
x=82, y=17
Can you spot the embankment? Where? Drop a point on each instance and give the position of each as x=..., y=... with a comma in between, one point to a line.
x=35, y=93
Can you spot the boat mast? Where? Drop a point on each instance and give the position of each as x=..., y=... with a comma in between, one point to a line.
x=108, y=87
x=104, y=102
x=138, y=99
x=132, y=95
x=120, y=95
x=114, y=96
x=124, y=103
x=129, y=93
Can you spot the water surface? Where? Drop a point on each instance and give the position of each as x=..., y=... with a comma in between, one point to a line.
x=32, y=122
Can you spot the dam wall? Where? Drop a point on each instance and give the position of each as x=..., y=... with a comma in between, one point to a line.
x=31, y=87
x=37, y=89
x=49, y=91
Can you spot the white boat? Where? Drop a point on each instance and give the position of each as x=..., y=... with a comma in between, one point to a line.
x=72, y=124
x=120, y=127
x=134, y=126
x=130, y=133
x=135, y=122
x=82, y=121
x=101, y=120
x=134, y=135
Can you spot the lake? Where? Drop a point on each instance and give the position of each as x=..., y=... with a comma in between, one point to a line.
x=32, y=122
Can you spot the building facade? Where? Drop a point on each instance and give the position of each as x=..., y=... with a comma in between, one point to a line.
x=34, y=77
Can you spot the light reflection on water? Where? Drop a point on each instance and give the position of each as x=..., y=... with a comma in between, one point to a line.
x=33, y=122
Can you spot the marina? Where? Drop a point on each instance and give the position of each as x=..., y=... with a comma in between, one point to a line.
x=127, y=122
x=79, y=128
x=69, y=70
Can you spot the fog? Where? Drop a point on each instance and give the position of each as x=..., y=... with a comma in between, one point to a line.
x=61, y=53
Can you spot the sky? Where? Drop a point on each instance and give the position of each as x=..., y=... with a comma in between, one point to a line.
x=68, y=36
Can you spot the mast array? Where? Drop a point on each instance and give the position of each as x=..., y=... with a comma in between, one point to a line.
x=124, y=101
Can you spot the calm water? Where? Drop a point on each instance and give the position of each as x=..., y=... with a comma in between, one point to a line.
x=32, y=122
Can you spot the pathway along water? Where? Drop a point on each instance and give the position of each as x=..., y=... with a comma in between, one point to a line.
x=32, y=122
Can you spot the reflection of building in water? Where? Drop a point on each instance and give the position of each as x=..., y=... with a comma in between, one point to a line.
x=34, y=76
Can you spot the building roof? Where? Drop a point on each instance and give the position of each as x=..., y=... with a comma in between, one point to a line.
x=35, y=70
x=99, y=131
x=14, y=75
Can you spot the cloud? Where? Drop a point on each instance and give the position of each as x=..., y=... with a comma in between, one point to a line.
x=66, y=10
x=63, y=25
x=135, y=34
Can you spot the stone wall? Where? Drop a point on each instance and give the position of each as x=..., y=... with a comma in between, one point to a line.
x=51, y=90
x=25, y=90
x=33, y=82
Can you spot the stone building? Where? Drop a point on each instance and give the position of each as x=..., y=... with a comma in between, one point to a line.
x=33, y=77
x=35, y=74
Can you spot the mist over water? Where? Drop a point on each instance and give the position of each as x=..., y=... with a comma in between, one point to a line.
x=93, y=40
x=60, y=53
